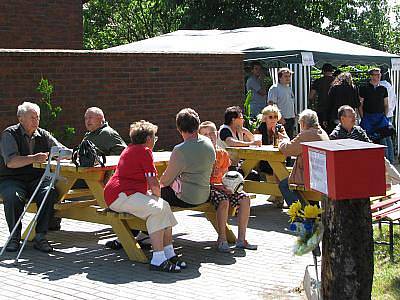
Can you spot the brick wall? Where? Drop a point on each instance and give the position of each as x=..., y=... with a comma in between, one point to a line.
x=128, y=87
x=41, y=24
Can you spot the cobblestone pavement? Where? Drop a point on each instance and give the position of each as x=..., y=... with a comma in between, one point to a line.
x=82, y=268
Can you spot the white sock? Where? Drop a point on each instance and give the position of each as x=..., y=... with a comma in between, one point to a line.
x=169, y=251
x=158, y=258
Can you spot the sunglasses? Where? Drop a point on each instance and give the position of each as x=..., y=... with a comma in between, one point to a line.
x=273, y=117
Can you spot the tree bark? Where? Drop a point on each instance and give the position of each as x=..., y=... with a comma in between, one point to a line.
x=347, y=249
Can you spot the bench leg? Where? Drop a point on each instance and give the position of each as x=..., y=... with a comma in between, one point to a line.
x=230, y=236
x=391, y=242
x=128, y=241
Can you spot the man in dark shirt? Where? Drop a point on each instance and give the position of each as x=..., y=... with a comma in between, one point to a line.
x=347, y=128
x=374, y=108
x=320, y=87
x=373, y=96
x=21, y=146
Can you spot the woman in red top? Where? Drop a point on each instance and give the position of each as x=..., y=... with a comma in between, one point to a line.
x=134, y=188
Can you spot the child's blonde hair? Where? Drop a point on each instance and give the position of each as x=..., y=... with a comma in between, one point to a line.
x=207, y=124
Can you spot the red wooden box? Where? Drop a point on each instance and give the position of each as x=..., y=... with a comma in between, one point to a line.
x=344, y=169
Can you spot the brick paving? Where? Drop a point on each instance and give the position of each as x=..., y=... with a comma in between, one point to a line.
x=82, y=268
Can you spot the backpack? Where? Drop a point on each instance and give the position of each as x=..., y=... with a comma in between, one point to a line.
x=86, y=154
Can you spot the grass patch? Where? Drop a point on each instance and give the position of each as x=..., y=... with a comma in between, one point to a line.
x=386, y=283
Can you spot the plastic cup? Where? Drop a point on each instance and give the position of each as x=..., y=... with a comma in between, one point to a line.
x=258, y=137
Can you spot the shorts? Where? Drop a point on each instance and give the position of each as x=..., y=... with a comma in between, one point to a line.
x=216, y=196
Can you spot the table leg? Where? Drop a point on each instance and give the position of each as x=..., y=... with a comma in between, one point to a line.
x=128, y=241
x=248, y=165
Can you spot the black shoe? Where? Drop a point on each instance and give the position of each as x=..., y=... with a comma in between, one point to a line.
x=114, y=245
x=13, y=245
x=42, y=245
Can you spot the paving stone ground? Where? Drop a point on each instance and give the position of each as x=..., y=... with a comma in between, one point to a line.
x=82, y=268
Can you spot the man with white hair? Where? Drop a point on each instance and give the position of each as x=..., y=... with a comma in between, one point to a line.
x=21, y=146
x=310, y=131
x=101, y=134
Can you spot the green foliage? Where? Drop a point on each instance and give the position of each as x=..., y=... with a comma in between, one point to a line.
x=386, y=283
x=49, y=113
x=111, y=23
x=249, y=122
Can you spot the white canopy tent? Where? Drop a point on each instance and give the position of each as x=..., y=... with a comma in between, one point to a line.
x=283, y=43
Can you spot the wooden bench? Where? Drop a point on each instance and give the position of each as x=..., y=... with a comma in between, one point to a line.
x=387, y=211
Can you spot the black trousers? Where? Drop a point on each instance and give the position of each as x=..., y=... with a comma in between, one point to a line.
x=16, y=194
x=168, y=194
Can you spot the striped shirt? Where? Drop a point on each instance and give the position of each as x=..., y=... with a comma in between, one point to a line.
x=357, y=133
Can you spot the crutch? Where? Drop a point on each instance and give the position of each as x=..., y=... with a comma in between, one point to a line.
x=55, y=152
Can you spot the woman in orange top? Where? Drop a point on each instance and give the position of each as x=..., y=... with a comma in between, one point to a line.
x=221, y=197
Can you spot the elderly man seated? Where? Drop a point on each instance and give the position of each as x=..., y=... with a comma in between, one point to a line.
x=21, y=146
x=310, y=131
x=101, y=134
x=347, y=129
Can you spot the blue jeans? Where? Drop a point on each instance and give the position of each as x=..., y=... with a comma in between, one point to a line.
x=289, y=195
x=389, y=151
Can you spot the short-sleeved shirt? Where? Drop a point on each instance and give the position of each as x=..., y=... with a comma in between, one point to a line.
x=373, y=98
x=135, y=165
x=225, y=133
x=221, y=165
x=283, y=97
x=321, y=86
x=9, y=146
x=257, y=101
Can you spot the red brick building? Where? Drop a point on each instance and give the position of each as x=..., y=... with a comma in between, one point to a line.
x=41, y=24
x=127, y=86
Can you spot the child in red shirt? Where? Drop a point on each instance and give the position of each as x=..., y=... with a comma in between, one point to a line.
x=221, y=197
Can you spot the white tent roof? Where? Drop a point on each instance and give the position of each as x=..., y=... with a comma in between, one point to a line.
x=284, y=42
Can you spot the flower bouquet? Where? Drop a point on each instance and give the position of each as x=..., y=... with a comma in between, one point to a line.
x=306, y=223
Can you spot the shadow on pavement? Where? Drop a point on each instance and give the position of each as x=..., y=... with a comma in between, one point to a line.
x=80, y=253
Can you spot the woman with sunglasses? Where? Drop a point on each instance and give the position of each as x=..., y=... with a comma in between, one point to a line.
x=268, y=127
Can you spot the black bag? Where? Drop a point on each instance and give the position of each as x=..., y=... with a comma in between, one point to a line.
x=86, y=154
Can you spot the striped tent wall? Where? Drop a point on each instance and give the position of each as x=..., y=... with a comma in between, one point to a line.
x=301, y=83
x=395, y=78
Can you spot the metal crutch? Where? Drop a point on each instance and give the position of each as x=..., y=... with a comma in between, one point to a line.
x=55, y=152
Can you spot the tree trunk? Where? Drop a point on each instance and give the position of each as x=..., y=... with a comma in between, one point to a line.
x=347, y=249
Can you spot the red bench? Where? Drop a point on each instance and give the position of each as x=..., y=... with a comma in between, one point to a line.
x=388, y=212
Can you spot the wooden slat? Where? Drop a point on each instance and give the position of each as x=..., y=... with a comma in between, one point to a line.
x=76, y=193
x=384, y=212
x=384, y=204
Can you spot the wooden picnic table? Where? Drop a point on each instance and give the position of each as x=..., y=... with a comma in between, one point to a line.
x=95, y=209
x=252, y=156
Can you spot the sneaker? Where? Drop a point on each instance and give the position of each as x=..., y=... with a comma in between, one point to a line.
x=223, y=247
x=42, y=245
x=245, y=245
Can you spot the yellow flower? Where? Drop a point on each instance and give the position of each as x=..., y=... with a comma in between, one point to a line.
x=294, y=211
x=312, y=211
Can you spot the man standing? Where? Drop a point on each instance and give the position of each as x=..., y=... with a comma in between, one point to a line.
x=320, y=88
x=21, y=146
x=282, y=95
x=374, y=108
x=255, y=85
x=101, y=134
